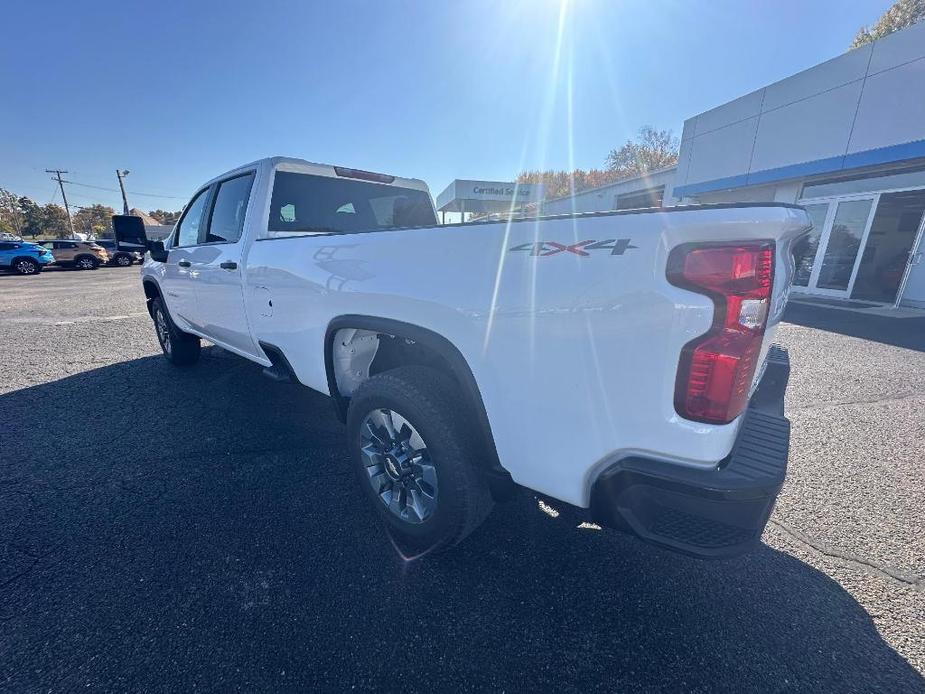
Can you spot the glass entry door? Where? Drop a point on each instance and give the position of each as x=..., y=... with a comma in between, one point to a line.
x=889, y=246
x=843, y=245
x=804, y=255
x=827, y=261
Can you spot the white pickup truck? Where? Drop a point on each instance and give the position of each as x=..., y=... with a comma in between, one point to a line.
x=620, y=362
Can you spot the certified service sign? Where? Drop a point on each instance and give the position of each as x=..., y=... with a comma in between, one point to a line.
x=487, y=196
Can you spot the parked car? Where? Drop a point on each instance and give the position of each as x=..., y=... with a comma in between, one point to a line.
x=118, y=256
x=83, y=255
x=620, y=362
x=23, y=257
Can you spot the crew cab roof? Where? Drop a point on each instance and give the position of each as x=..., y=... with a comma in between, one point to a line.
x=302, y=166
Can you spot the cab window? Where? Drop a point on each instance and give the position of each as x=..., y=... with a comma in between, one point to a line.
x=188, y=229
x=227, y=220
x=310, y=204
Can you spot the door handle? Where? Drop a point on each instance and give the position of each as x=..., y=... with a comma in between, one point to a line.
x=229, y=265
x=184, y=263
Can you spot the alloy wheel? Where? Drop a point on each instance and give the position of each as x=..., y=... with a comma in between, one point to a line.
x=398, y=466
x=163, y=332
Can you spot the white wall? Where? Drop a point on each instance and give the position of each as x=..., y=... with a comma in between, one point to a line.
x=602, y=199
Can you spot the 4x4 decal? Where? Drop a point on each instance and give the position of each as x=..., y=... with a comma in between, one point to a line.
x=544, y=248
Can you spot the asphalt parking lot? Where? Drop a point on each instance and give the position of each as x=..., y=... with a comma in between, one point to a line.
x=165, y=529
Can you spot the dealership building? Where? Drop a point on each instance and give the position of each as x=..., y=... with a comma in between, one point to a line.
x=845, y=139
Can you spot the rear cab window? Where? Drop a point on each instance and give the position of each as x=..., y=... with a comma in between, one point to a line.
x=306, y=204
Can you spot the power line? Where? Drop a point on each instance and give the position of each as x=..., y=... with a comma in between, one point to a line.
x=57, y=173
x=116, y=190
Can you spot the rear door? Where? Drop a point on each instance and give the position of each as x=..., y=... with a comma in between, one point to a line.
x=217, y=266
x=6, y=253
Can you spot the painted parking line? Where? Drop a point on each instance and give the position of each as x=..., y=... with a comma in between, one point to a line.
x=101, y=319
x=74, y=321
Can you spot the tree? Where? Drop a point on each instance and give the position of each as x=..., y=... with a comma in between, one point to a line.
x=11, y=218
x=33, y=217
x=54, y=221
x=165, y=217
x=96, y=219
x=901, y=14
x=653, y=150
x=558, y=184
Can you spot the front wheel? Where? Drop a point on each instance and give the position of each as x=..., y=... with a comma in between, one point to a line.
x=180, y=348
x=123, y=261
x=415, y=454
x=87, y=263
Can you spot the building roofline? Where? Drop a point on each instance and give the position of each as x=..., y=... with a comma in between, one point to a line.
x=649, y=174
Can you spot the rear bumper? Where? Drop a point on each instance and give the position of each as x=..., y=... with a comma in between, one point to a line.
x=718, y=512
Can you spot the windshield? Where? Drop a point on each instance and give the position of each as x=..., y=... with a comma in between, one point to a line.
x=308, y=204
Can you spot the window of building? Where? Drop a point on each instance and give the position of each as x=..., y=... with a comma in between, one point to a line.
x=640, y=199
x=866, y=184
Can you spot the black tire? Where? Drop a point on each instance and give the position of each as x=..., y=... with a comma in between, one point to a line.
x=123, y=260
x=429, y=401
x=25, y=266
x=180, y=348
x=86, y=262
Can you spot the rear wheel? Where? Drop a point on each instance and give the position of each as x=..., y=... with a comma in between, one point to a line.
x=180, y=348
x=123, y=260
x=86, y=262
x=26, y=266
x=416, y=457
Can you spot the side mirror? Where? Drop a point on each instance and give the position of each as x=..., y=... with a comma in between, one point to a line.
x=158, y=252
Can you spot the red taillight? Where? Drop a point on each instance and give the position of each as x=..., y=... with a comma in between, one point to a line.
x=716, y=369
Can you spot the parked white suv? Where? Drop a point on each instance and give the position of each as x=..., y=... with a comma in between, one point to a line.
x=612, y=361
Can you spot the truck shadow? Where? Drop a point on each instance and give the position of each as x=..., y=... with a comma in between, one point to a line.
x=899, y=332
x=206, y=528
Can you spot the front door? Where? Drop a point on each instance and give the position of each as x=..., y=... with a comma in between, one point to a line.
x=178, y=273
x=217, y=267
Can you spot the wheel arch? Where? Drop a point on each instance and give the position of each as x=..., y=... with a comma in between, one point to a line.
x=152, y=292
x=458, y=368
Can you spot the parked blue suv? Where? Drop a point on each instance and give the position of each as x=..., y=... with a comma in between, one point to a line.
x=23, y=257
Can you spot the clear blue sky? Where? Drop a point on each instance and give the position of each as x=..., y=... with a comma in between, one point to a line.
x=178, y=92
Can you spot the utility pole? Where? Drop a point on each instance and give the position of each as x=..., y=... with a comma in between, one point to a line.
x=57, y=173
x=121, y=174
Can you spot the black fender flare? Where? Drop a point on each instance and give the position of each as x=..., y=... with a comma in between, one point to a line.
x=147, y=282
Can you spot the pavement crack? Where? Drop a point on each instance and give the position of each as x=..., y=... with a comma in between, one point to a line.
x=910, y=579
